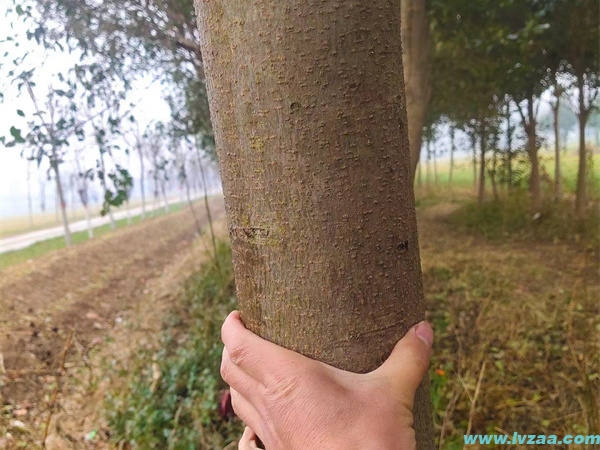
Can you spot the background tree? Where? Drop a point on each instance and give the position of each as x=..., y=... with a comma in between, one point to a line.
x=415, y=54
x=158, y=38
x=53, y=124
x=82, y=179
x=317, y=176
x=583, y=59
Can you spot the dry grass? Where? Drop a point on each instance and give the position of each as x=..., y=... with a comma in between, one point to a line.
x=517, y=334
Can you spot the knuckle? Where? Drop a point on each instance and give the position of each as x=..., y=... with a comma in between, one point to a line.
x=238, y=353
x=282, y=388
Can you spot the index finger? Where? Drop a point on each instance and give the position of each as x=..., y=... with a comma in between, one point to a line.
x=259, y=358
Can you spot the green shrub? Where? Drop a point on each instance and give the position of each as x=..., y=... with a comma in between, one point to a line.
x=172, y=400
x=511, y=216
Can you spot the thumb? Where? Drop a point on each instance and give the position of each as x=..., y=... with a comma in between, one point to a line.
x=407, y=364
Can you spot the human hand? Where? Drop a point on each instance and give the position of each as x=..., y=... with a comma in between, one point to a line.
x=293, y=402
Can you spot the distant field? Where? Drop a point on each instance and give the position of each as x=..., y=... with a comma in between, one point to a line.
x=462, y=176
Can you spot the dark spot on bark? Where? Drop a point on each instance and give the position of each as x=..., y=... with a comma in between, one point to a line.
x=250, y=232
x=403, y=246
x=295, y=106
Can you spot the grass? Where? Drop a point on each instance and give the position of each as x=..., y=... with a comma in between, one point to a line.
x=515, y=349
x=516, y=338
x=171, y=400
x=462, y=176
x=41, y=248
x=511, y=218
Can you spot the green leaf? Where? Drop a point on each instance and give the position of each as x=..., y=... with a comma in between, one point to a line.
x=16, y=134
x=20, y=113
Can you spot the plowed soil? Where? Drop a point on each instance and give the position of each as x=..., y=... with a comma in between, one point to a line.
x=64, y=315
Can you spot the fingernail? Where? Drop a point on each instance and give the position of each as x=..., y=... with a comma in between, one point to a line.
x=424, y=332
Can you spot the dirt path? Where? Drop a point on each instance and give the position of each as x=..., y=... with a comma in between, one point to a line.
x=61, y=314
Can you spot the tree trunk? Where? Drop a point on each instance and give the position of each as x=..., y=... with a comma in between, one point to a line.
x=509, y=150
x=494, y=167
x=105, y=188
x=435, y=171
x=142, y=189
x=61, y=199
x=452, y=148
x=534, y=177
x=420, y=177
x=29, y=200
x=530, y=126
x=206, y=205
x=415, y=53
x=482, y=146
x=580, y=196
x=88, y=221
x=557, y=175
x=428, y=165
x=474, y=147
x=163, y=189
x=307, y=102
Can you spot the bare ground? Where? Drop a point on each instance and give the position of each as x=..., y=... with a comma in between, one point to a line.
x=516, y=327
x=65, y=316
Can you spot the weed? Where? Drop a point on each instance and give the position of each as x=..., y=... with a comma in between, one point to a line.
x=511, y=216
x=172, y=398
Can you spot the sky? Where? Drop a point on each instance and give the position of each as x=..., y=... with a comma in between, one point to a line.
x=147, y=97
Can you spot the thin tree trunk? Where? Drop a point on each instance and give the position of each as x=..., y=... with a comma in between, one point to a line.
x=509, y=150
x=142, y=175
x=580, y=195
x=482, y=145
x=493, y=172
x=534, y=177
x=530, y=125
x=435, y=171
x=474, y=147
x=163, y=189
x=29, y=200
x=452, y=148
x=319, y=191
x=557, y=175
x=206, y=205
x=191, y=205
x=105, y=188
x=428, y=165
x=420, y=177
x=88, y=221
x=61, y=199
x=415, y=53
x=128, y=210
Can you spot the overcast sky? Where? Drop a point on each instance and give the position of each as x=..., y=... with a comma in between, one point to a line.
x=13, y=168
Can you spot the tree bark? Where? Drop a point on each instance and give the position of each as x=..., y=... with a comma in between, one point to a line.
x=474, y=147
x=482, y=147
x=415, y=53
x=530, y=125
x=452, y=148
x=509, y=150
x=142, y=176
x=557, y=175
x=493, y=179
x=307, y=102
x=61, y=198
x=105, y=189
x=580, y=195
